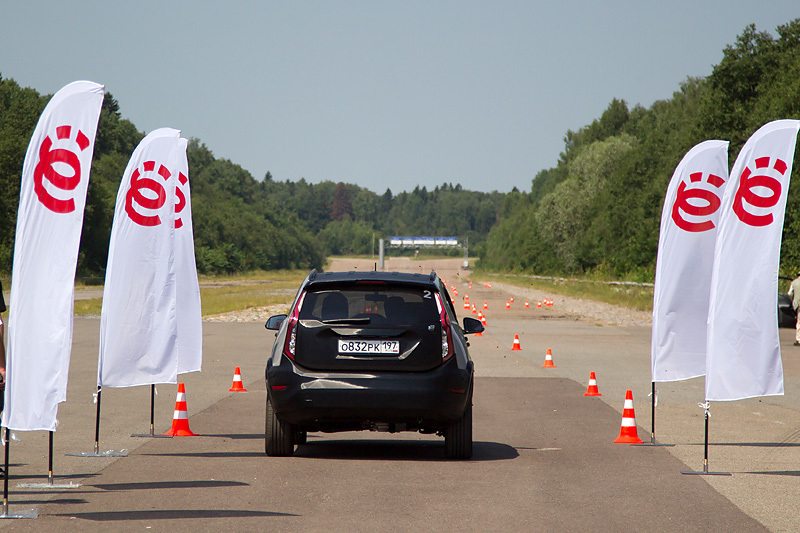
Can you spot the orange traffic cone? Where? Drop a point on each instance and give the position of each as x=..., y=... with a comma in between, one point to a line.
x=485, y=305
x=627, y=432
x=592, y=389
x=483, y=320
x=180, y=420
x=508, y=305
x=470, y=284
x=516, y=346
x=527, y=304
x=538, y=304
x=548, y=359
x=511, y=299
x=474, y=311
x=466, y=303
x=237, y=382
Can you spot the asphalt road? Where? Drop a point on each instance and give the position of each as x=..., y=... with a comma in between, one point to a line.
x=544, y=458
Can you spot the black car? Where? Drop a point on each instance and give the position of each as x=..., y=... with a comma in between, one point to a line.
x=378, y=351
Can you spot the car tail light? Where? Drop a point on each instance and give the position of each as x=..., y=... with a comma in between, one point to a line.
x=447, y=340
x=291, y=330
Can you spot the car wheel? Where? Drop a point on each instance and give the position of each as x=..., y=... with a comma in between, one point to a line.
x=458, y=436
x=278, y=435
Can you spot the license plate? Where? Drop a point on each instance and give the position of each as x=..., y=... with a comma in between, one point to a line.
x=369, y=347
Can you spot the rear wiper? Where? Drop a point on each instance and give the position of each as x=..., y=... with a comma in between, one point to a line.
x=364, y=320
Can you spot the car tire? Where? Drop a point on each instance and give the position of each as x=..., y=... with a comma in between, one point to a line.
x=458, y=436
x=278, y=436
x=300, y=437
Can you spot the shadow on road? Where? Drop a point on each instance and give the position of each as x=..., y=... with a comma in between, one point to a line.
x=170, y=514
x=236, y=436
x=205, y=484
x=399, y=450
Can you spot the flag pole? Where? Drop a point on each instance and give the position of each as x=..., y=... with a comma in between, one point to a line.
x=152, y=433
x=96, y=453
x=705, y=471
x=50, y=483
x=27, y=513
x=653, y=402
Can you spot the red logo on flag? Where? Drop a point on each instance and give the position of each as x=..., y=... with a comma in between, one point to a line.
x=140, y=183
x=181, y=200
x=51, y=161
x=683, y=205
x=746, y=193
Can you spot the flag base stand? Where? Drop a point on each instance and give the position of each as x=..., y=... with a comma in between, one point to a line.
x=705, y=471
x=49, y=485
x=152, y=433
x=95, y=453
x=27, y=513
x=652, y=442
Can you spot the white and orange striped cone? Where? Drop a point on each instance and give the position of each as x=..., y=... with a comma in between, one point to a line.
x=470, y=284
x=466, y=303
x=628, y=433
x=483, y=320
x=548, y=359
x=485, y=305
x=591, y=390
x=538, y=304
x=511, y=299
x=508, y=304
x=237, y=386
x=516, y=346
x=527, y=304
x=180, y=420
x=474, y=311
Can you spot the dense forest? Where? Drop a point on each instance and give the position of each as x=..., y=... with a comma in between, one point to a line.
x=240, y=223
x=597, y=210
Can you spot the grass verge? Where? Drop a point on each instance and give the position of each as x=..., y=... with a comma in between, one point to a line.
x=223, y=294
x=633, y=296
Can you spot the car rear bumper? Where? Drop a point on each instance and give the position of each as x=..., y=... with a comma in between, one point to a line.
x=394, y=401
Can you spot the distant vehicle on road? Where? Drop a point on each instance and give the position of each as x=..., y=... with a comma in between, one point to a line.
x=379, y=351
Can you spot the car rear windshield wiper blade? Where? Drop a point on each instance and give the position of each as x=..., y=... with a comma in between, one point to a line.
x=364, y=320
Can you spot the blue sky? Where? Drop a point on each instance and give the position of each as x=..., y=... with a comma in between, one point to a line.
x=380, y=94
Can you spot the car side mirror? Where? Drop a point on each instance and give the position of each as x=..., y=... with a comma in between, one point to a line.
x=275, y=322
x=472, y=325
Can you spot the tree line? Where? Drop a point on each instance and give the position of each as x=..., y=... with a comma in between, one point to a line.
x=240, y=223
x=599, y=208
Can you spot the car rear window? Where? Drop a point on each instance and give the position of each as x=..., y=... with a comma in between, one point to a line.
x=398, y=306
